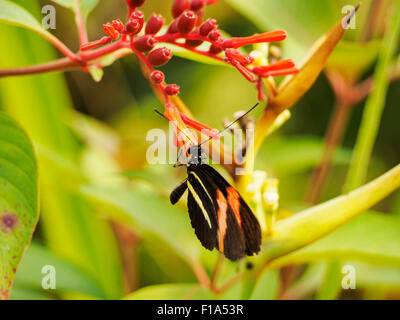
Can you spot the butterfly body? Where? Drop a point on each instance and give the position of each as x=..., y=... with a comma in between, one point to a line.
x=219, y=215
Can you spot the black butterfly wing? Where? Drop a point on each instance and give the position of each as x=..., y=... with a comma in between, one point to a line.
x=240, y=219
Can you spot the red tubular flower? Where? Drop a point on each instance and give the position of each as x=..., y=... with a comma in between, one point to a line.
x=109, y=29
x=157, y=77
x=233, y=54
x=159, y=56
x=179, y=6
x=172, y=89
x=257, y=38
x=243, y=70
x=95, y=44
x=207, y=27
x=284, y=64
x=186, y=21
x=154, y=24
x=197, y=5
x=282, y=72
x=210, y=132
x=144, y=43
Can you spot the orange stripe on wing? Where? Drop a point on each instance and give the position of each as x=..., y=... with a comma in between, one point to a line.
x=234, y=202
x=222, y=210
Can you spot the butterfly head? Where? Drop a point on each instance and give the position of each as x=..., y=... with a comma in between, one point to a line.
x=196, y=155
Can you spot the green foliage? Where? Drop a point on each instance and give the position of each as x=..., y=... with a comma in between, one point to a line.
x=18, y=198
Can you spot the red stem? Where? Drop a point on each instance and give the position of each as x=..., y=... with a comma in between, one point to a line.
x=83, y=38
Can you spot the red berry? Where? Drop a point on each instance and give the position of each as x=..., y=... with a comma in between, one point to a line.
x=154, y=24
x=144, y=43
x=159, y=56
x=214, y=35
x=109, y=29
x=173, y=27
x=197, y=5
x=172, y=89
x=118, y=25
x=133, y=26
x=157, y=76
x=215, y=49
x=179, y=6
x=135, y=3
x=193, y=43
x=207, y=27
x=186, y=21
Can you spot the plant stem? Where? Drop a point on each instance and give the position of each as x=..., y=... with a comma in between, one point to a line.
x=374, y=106
x=333, y=137
x=83, y=38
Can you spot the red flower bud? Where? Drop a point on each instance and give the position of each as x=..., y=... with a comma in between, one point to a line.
x=207, y=27
x=133, y=26
x=215, y=49
x=109, y=29
x=118, y=25
x=233, y=54
x=280, y=65
x=197, y=5
x=172, y=89
x=144, y=43
x=157, y=77
x=154, y=24
x=179, y=6
x=135, y=3
x=138, y=15
x=214, y=35
x=257, y=38
x=159, y=56
x=186, y=21
x=193, y=43
x=173, y=27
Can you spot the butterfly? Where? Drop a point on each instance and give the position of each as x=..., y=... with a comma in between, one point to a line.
x=219, y=215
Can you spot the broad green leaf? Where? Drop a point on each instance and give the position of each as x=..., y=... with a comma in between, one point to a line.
x=331, y=284
x=374, y=277
x=171, y=292
x=18, y=198
x=150, y=214
x=68, y=278
x=69, y=226
x=86, y=5
x=371, y=237
x=308, y=226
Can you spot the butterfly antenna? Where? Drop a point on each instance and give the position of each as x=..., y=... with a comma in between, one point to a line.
x=232, y=123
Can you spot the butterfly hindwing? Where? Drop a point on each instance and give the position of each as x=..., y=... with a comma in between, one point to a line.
x=238, y=208
x=202, y=212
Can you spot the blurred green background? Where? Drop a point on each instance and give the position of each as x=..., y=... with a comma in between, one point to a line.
x=109, y=235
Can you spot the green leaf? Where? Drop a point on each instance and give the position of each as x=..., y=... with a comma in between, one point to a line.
x=308, y=226
x=68, y=277
x=371, y=237
x=171, y=292
x=18, y=198
x=86, y=5
x=331, y=284
x=151, y=214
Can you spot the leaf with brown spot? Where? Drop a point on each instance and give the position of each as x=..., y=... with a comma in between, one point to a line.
x=18, y=199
